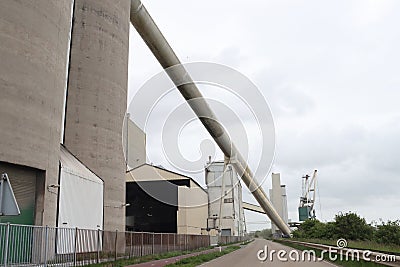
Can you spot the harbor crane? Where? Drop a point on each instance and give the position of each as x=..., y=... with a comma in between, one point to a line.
x=307, y=200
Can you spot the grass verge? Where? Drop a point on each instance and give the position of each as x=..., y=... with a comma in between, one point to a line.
x=136, y=260
x=197, y=260
x=370, y=245
x=355, y=263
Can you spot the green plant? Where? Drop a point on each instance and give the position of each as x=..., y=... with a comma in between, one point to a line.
x=352, y=227
x=345, y=263
x=266, y=233
x=349, y=226
x=388, y=233
x=199, y=259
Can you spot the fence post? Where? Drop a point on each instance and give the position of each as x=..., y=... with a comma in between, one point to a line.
x=116, y=241
x=161, y=242
x=130, y=250
x=75, y=244
x=167, y=242
x=152, y=246
x=141, y=246
x=6, y=245
x=46, y=236
x=174, y=242
x=185, y=242
x=98, y=245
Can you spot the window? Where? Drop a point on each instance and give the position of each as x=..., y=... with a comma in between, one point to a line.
x=228, y=200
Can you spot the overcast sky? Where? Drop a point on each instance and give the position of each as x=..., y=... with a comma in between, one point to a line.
x=330, y=73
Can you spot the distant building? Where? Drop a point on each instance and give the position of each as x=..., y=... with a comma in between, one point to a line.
x=225, y=208
x=279, y=200
x=160, y=200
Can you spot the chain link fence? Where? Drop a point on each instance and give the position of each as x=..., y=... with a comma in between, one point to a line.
x=26, y=245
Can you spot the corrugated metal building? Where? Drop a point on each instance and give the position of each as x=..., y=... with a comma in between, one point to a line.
x=160, y=200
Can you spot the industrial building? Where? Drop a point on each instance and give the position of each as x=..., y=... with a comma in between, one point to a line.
x=279, y=199
x=63, y=104
x=159, y=200
x=97, y=95
x=163, y=201
x=79, y=191
x=225, y=204
x=34, y=55
x=64, y=82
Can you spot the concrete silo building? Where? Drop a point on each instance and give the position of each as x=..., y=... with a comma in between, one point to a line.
x=63, y=79
x=34, y=41
x=96, y=101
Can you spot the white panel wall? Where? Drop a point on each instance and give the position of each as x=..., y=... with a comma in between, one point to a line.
x=81, y=201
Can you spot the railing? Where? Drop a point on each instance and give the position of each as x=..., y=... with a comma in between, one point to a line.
x=25, y=245
x=223, y=240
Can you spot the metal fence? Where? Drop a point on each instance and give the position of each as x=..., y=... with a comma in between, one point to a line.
x=23, y=245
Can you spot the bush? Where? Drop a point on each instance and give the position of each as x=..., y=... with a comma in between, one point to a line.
x=349, y=226
x=266, y=233
x=388, y=233
x=352, y=227
x=311, y=229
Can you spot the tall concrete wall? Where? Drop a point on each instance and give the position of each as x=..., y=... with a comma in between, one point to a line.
x=34, y=40
x=134, y=144
x=97, y=92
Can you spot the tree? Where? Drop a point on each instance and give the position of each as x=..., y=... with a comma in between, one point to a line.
x=311, y=228
x=388, y=233
x=266, y=233
x=326, y=231
x=352, y=227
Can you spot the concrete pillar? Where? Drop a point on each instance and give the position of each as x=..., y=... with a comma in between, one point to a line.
x=97, y=92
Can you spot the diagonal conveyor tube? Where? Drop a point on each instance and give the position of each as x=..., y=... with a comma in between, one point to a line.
x=159, y=46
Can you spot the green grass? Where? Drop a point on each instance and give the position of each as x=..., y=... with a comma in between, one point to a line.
x=370, y=245
x=360, y=263
x=200, y=259
x=136, y=260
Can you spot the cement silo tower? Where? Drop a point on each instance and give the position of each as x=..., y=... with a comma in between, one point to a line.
x=34, y=41
x=97, y=92
x=63, y=79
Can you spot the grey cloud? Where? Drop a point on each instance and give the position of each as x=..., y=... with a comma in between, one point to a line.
x=329, y=71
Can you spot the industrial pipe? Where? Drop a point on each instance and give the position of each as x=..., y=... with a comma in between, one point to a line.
x=159, y=46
